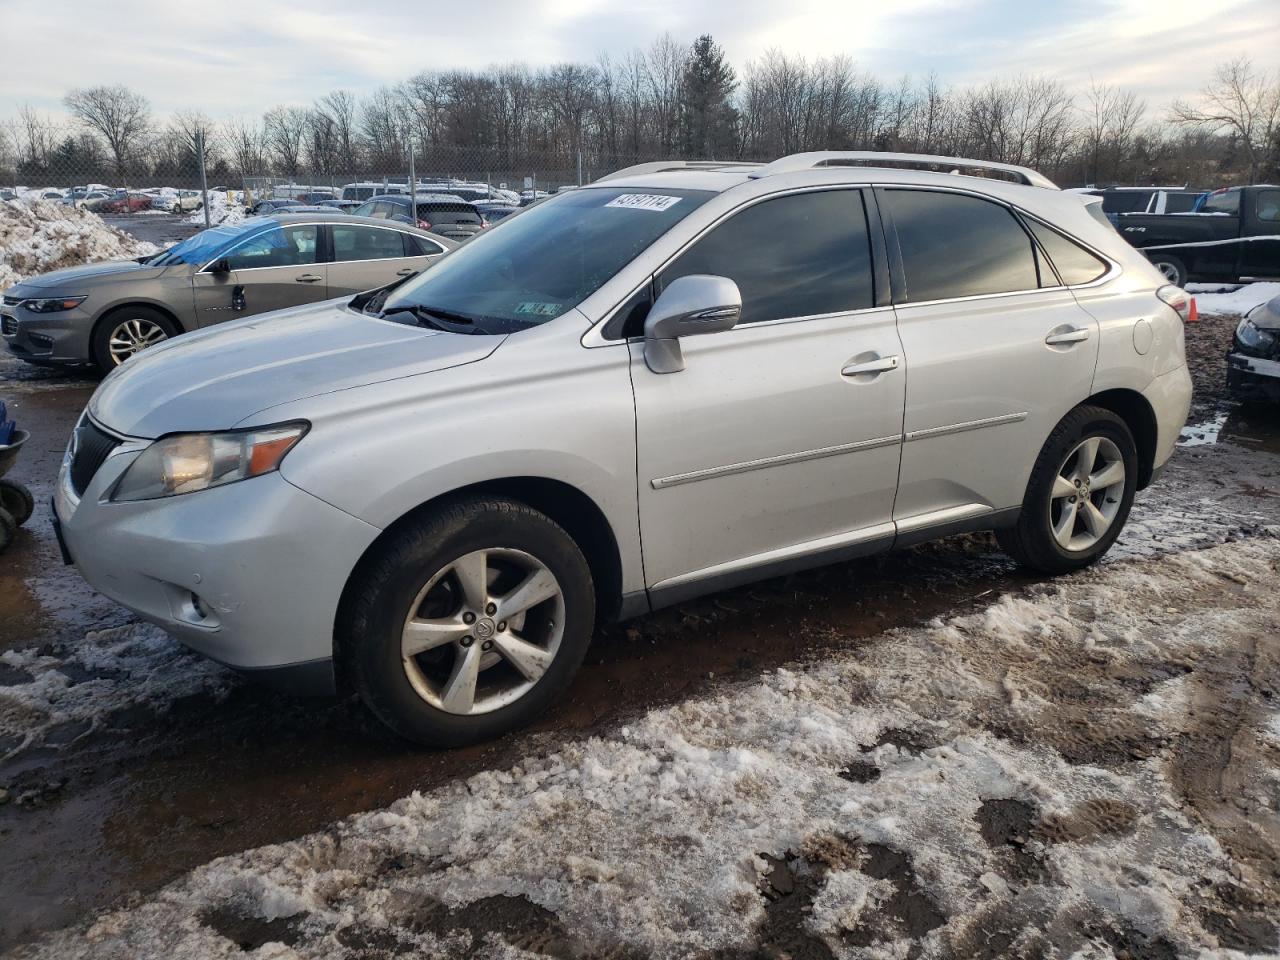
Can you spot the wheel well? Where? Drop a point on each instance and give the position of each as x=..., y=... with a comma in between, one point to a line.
x=1134, y=409
x=566, y=505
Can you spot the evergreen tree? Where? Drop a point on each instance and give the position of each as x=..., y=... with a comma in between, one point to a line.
x=708, y=119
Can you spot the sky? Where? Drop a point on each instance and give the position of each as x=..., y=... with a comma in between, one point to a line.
x=237, y=57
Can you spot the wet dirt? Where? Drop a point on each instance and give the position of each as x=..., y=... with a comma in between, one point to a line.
x=148, y=796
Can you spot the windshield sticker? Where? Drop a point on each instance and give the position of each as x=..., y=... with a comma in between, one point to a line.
x=643, y=201
x=539, y=309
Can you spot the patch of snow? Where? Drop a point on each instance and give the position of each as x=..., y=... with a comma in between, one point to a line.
x=651, y=839
x=43, y=235
x=1232, y=300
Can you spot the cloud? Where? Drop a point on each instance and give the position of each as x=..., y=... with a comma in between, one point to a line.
x=239, y=57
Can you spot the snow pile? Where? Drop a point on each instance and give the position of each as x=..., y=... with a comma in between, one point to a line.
x=43, y=235
x=53, y=695
x=222, y=209
x=1229, y=299
x=1021, y=780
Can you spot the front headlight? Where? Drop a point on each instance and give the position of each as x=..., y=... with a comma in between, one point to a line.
x=1253, y=337
x=53, y=304
x=187, y=462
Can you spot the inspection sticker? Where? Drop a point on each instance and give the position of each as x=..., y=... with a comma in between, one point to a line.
x=643, y=201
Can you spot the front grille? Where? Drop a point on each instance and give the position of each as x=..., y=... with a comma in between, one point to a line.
x=9, y=325
x=92, y=447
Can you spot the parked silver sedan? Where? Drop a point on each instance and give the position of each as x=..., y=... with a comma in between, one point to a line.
x=104, y=313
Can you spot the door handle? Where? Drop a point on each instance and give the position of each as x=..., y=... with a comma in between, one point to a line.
x=406, y=272
x=1067, y=336
x=879, y=365
x=309, y=278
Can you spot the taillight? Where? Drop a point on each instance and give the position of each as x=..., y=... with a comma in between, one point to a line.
x=1184, y=305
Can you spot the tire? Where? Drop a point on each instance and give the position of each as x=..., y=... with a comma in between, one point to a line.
x=1174, y=270
x=412, y=694
x=1055, y=534
x=8, y=529
x=17, y=500
x=136, y=323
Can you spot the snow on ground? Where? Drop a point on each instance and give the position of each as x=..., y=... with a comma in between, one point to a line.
x=1230, y=298
x=1041, y=777
x=43, y=235
x=222, y=209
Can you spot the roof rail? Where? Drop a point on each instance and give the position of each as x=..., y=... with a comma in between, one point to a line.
x=668, y=166
x=876, y=158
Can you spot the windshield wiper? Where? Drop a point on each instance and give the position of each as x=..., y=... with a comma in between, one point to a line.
x=439, y=319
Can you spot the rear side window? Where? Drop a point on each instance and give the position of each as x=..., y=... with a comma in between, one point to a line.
x=1226, y=201
x=354, y=242
x=954, y=245
x=795, y=256
x=1075, y=264
x=448, y=213
x=420, y=246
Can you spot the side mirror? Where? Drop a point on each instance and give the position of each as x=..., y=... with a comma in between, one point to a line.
x=221, y=265
x=691, y=305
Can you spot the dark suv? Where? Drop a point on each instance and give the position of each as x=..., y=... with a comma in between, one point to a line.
x=442, y=214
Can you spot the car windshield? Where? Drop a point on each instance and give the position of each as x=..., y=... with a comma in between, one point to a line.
x=206, y=244
x=546, y=261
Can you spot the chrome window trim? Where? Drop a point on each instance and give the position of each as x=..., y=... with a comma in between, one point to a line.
x=1113, y=269
x=747, y=466
x=595, y=338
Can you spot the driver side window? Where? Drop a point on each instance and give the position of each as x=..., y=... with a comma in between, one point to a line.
x=277, y=247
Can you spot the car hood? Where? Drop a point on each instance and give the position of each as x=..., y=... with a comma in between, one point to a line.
x=215, y=379
x=92, y=273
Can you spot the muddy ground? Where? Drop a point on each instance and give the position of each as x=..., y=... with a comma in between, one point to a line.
x=129, y=794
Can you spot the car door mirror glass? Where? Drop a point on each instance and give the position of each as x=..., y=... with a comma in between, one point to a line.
x=691, y=305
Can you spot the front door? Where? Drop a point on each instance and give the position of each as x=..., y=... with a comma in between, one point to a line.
x=779, y=441
x=998, y=348
x=271, y=270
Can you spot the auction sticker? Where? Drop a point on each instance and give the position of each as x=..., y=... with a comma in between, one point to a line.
x=643, y=201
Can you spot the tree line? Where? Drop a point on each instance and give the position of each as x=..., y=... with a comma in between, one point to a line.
x=668, y=101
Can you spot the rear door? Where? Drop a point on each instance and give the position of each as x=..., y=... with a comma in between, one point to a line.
x=366, y=256
x=998, y=351
x=271, y=270
x=1260, y=255
x=780, y=439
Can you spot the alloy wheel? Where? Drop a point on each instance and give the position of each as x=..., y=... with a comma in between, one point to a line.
x=131, y=336
x=1087, y=493
x=1168, y=271
x=482, y=631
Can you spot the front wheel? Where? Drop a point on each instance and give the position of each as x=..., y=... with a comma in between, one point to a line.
x=469, y=622
x=1079, y=494
x=126, y=332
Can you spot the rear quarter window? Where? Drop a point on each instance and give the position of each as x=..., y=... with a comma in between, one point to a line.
x=1073, y=262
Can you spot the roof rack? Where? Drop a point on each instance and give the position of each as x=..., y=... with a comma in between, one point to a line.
x=669, y=166
x=876, y=158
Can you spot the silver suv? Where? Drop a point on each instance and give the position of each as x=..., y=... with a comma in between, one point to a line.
x=680, y=378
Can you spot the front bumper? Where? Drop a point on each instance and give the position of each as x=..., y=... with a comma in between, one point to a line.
x=47, y=337
x=1253, y=377
x=249, y=574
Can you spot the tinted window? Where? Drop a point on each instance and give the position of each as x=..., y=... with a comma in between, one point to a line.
x=366, y=243
x=279, y=247
x=548, y=259
x=437, y=213
x=1269, y=205
x=1228, y=201
x=795, y=256
x=1180, y=202
x=1075, y=264
x=420, y=246
x=1126, y=201
x=959, y=246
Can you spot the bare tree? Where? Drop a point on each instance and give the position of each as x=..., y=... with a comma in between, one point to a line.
x=120, y=115
x=1242, y=101
x=338, y=110
x=284, y=131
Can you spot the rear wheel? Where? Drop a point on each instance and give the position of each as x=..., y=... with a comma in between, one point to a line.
x=126, y=332
x=469, y=622
x=1079, y=495
x=1173, y=269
